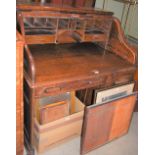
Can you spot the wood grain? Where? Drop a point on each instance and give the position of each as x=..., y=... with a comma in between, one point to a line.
x=70, y=73
x=43, y=7
x=53, y=111
x=48, y=134
x=105, y=122
x=73, y=61
x=19, y=95
x=119, y=45
x=40, y=27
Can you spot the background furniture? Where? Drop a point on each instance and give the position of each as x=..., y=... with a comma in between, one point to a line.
x=19, y=95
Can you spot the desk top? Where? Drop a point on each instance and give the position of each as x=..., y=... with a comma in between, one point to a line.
x=68, y=62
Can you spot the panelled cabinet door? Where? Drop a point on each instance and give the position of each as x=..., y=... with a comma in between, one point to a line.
x=105, y=122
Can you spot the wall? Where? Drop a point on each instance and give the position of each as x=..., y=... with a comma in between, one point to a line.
x=130, y=24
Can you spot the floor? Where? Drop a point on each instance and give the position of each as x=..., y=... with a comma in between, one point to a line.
x=126, y=145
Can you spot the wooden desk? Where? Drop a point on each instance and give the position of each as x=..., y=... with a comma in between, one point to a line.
x=70, y=67
x=63, y=65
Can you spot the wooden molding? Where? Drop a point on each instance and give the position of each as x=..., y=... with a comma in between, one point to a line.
x=119, y=45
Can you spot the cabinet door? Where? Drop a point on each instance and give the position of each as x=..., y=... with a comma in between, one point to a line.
x=105, y=122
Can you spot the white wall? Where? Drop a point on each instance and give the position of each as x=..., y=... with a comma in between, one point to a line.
x=131, y=27
x=99, y=4
x=114, y=6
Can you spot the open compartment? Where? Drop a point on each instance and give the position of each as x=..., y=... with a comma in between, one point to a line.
x=48, y=134
x=38, y=26
x=108, y=116
x=52, y=108
x=96, y=31
x=39, y=29
x=70, y=30
x=109, y=106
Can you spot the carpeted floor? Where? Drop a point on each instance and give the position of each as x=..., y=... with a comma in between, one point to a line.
x=126, y=145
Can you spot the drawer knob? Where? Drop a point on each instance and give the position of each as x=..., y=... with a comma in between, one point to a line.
x=96, y=71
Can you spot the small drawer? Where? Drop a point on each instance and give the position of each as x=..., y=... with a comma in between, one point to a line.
x=88, y=83
x=47, y=91
x=121, y=78
x=54, y=132
x=39, y=39
x=67, y=87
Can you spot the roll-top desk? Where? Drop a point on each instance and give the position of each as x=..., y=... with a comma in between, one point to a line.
x=68, y=50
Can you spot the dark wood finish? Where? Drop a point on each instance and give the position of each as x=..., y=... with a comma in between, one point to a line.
x=61, y=9
x=19, y=95
x=56, y=2
x=136, y=88
x=50, y=27
x=119, y=45
x=86, y=95
x=92, y=28
x=73, y=3
x=71, y=74
x=136, y=80
x=30, y=103
x=89, y=3
x=105, y=122
x=29, y=149
x=55, y=76
x=73, y=59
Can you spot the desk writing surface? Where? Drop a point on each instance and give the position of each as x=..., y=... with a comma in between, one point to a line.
x=65, y=62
